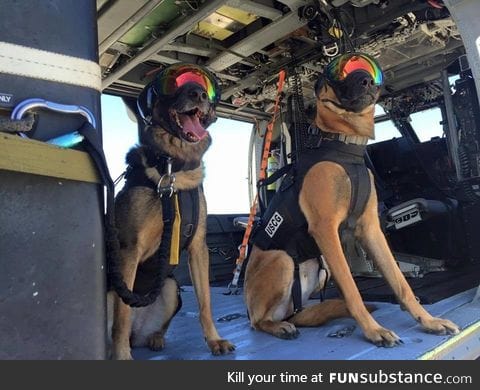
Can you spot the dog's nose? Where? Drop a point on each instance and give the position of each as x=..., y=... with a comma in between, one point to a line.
x=367, y=82
x=198, y=95
x=362, y=81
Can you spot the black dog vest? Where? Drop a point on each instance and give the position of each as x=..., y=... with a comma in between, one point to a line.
x=283, y=225
x=188, y=204
x=188, y=199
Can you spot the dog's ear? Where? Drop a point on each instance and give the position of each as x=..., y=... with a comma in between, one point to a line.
x=145, y=102
x=319, y=84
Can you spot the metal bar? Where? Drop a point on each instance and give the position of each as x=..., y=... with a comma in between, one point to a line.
x=452, y=135
x=171, y=60
x=182, y=27
x=269, y=71
x=189, y=49
x=256, y=8
x=466, y=14
x=247, y=114
x=128, y=24
x=257, y=41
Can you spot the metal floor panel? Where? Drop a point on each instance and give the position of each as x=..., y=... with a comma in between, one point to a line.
x=184, y=339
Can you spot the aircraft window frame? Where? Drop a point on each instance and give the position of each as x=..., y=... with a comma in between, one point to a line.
x=384, y=130
x=427, y=119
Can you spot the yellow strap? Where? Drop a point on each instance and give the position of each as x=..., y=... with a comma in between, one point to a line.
x=440, y=351
x=175, y=244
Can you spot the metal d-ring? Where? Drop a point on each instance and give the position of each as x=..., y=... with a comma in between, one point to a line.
x=170, y=188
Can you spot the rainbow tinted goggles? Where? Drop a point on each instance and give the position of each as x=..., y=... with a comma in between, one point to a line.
x=342, y=66
x=175, y=76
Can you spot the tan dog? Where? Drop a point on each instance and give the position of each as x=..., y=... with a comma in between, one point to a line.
x=324, y=199
x=176, y=130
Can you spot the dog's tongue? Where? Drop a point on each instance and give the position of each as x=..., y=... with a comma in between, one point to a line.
x=191, y=124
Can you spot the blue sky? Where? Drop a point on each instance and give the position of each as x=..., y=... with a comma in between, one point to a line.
x=226, y=185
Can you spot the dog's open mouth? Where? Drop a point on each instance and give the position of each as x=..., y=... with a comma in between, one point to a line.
x=191, y=124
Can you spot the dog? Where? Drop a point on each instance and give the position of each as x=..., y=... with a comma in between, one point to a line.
x=344, y=113
x=177, y=108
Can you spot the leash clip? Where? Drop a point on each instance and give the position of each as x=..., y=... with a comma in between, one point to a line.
x=232, y=289
x=168, y=177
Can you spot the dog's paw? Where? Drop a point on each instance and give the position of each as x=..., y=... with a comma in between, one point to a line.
x=383, y=337
x=156, y=342
x=439, y=326
x=220, y=347
x=121, y=354
x=285, y=330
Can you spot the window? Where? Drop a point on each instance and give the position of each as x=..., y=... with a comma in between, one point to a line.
x=226, y=161
x=226, y=164
x=119, y=134
x=385, y=130
x=427, y=124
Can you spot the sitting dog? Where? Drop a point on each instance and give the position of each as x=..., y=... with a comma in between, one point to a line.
x=162, y=209
x=325, y=203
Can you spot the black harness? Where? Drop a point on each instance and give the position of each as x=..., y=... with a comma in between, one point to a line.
x=188, y=202
x=283, y=225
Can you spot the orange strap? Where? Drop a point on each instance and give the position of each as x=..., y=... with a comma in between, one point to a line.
x=263, y=169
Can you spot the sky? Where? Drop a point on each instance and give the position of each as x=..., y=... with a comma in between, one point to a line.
x=226, y=161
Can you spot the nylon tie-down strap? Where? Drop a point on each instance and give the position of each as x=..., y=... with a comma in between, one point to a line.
x=93, y=146
x=360, y=193
x=233, y=286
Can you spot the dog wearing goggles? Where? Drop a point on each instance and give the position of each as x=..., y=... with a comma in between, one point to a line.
x=346, y=94
x=177, y=108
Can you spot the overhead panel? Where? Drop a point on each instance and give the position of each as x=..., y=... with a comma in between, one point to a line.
x=223, y=23
x=154, y=23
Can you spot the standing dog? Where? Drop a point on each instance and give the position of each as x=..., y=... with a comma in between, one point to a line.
x=177, y=107
x=327, y=197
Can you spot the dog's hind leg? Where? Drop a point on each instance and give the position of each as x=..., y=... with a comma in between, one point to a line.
x=150, y=323
x=268, y=286
x=199, y=272
x=320, y=313
x=122, y=325
x=376, y=245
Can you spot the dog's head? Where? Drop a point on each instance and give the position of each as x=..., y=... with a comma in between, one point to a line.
x=346, y=94
x=181, y=100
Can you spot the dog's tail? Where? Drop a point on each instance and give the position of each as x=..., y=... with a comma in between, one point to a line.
x=320, y=313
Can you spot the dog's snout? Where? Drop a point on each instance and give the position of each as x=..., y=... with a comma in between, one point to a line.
x=367, y=82
x=362, y=81
x=198, y=95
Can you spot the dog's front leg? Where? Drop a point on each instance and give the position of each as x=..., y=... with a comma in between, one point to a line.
x=324, y=200
x=377, y=247
x=326, y=236
x=199, y=271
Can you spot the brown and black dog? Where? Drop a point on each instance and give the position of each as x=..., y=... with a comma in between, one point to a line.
x=176, y=128
x=324, y=199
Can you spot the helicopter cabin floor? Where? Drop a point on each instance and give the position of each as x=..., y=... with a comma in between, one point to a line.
x=340, y=339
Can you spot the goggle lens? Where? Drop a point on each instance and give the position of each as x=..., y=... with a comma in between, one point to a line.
x=175, y=77
x=344, y=65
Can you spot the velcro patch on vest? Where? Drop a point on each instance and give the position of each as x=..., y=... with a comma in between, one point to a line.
x=273, y=224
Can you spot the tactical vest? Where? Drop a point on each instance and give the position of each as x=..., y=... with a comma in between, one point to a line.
x=283, y=225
